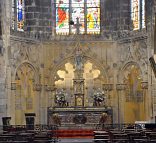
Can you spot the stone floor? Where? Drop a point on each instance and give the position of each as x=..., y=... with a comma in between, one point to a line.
x=75, y=141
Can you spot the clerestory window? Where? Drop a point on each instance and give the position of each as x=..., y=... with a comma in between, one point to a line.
x=73, y=13
x=138, y=14
x=18, y=15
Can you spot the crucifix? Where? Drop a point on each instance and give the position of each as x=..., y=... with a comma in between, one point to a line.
x=77, y=25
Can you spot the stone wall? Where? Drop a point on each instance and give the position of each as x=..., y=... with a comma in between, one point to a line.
x=151, y=24
x=4, y=45
x=38, y=16
x=116, y=15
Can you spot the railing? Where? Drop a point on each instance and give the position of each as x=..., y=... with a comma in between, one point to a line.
x=21, y=133
x=101, y=126
x=71, y=126
x=16, y=128
x=119, y=126
x=78, y=126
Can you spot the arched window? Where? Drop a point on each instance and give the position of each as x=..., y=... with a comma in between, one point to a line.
x=87, y=12
x=138, y=14
x=18, y=15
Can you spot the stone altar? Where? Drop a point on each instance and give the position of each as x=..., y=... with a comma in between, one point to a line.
x=86, y=116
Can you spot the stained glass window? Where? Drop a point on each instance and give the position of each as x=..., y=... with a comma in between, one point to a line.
x=87, y=12
x=18, y=15
x=138, y=14
x=93, y=16
x=62, y=16
x=143, y=14
x=78, y=11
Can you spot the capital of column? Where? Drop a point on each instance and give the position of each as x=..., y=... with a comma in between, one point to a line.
x=121, y=86
x=107, y=87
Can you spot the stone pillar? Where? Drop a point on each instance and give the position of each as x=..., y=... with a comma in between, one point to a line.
x=146, y=99
x=13, y=102
x=4, y=58
x=43, y=97
x=120, y=87
x=108, y=88
x=37, y=89
x=150, y=46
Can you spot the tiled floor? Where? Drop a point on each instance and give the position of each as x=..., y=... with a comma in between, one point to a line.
x=75, y=140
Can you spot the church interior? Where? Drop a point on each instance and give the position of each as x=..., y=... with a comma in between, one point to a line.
x=85, y=65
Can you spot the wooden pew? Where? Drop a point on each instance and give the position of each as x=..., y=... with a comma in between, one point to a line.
x=101, y=136
x=120, y=137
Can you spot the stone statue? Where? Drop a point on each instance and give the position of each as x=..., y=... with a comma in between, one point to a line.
x=60, y=99
x=56, y=119
x=78, y=60
x=103, y=119
x=98, y=98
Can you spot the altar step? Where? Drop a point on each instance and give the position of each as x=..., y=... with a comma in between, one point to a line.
x=76, y=140
x=75, y=134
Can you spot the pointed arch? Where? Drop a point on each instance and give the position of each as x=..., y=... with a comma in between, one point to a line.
x=123, y=68
x=29, y=64
x=25, y=76
x=56, y=67
x=134, y=109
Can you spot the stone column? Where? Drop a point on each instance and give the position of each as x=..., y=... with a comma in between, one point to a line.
x=37, y=89
x=146, y=99
x=43, y=97
x=150, y=46
x=120, y=88
x=13, y=99
x=108, y=88
x=5, y=86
